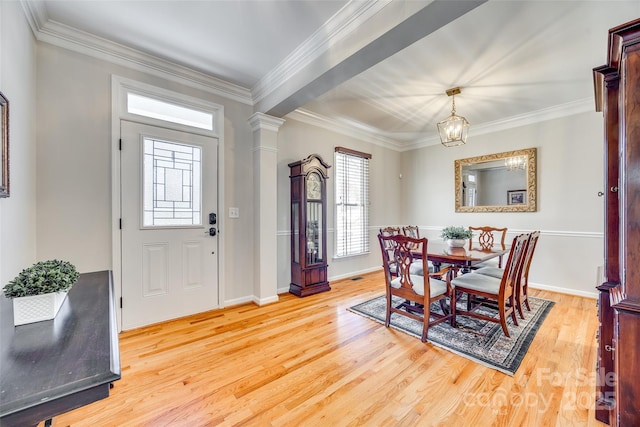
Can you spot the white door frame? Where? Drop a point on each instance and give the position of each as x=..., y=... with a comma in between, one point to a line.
x=120, y=86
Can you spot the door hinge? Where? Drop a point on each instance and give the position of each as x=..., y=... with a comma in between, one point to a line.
x=120, y=145
x=120, y=223
x=120, y=302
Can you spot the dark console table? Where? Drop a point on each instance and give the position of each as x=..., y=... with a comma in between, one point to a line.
x=51, y=367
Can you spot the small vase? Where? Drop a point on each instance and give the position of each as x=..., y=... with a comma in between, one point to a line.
x=456, y=243
x=37, y=308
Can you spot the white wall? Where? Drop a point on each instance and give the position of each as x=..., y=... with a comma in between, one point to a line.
x=74, y=175
x=18, y=84
x=297, y=140
x=570, y=214
x=74, y=165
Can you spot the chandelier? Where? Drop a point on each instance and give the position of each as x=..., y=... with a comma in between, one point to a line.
x=515, y=163
x=454, y=129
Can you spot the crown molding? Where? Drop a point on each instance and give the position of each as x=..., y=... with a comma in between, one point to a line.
x=352, y=129
x=558, y=111
x=399, y=143
x=345, y=22
x=54, y=33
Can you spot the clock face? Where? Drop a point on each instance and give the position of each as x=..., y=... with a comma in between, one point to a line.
x=314, y=187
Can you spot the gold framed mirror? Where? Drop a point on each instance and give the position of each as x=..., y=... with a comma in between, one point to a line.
x=501, y=182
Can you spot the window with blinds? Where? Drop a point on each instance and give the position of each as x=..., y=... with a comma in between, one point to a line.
x=352, y=202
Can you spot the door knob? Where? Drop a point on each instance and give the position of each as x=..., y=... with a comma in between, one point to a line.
x=211, y=232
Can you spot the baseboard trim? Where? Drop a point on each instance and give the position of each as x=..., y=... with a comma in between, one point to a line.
x=354, y=273
x=252, y=298
x=567, y=291
x=283, y=290
x=239, y=301
x=265, y=301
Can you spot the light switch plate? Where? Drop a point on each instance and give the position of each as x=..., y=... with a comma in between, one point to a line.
x=234, y=212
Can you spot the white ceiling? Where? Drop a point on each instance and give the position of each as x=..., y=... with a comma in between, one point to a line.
x=357, y=65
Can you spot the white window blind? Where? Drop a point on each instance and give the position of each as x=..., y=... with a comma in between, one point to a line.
x=352, y=202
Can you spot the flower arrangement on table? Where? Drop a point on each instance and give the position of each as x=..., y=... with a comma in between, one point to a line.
x=456, y=236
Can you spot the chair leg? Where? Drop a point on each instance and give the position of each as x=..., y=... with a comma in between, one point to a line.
x=513, y=310
x=388, y=319
x=425, y=321
x=503, y=317
x=519, y=307
x=518, y=301
x=443, y=307
x=452, y=308
x=503, y=323
x=525, y=293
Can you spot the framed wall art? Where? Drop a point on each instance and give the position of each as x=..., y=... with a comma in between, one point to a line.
x=4, y=147
x=516, y=197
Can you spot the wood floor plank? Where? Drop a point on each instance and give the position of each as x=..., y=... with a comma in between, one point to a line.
x=310, y=362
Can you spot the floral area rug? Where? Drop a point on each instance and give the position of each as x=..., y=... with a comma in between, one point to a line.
x=478, y=340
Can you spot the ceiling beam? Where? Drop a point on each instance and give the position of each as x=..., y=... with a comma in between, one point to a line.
x=394, y=28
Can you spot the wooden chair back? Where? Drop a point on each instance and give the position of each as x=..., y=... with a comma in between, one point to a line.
x=488, y=236
x=531, y=247
x=404, y=252
x=387, y=250
x=513, y=266
x=522, y=292
x=411, y=231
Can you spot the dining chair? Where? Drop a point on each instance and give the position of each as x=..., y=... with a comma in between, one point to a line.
x=411, y=231
x=487, y=238
x=416, y=291
x=482, y=289
x=522, y=289
x=387, y=251
x=414, y=231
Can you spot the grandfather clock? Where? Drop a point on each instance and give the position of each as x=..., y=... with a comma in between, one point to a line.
x=309, y=226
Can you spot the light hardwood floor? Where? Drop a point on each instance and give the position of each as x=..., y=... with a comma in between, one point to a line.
x=310, y=362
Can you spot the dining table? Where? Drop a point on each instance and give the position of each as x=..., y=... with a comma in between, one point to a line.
x=439, y=253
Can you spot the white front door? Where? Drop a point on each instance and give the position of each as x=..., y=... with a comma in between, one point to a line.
x=169, y=190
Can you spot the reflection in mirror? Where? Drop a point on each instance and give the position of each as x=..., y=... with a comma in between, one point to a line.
x=502, y=182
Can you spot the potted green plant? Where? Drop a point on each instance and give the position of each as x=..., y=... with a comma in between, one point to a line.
x=39, y=291
x=456, y=236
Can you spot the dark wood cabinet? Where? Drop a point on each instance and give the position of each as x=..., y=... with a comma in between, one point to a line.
x=617, y=87
x=51, y=367
x=309, y=226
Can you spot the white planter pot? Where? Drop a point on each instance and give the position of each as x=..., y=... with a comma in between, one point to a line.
x=37, y=308
x=456, y=243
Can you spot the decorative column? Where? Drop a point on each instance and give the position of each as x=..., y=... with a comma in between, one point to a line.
x=265, y=196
